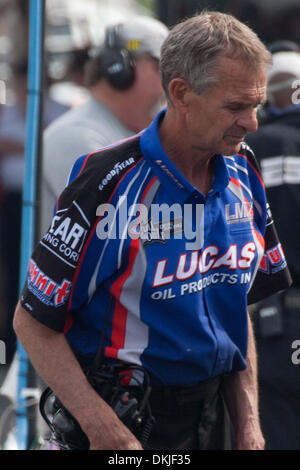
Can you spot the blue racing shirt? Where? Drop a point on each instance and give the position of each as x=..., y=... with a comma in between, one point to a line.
x=138, y=258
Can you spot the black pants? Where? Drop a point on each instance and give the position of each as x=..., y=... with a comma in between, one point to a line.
x=193, y=418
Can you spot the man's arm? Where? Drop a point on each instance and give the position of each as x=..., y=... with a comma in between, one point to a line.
x=55, y=362
x=241, y=395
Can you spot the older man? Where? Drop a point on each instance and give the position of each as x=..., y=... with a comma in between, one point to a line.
x=156, y=249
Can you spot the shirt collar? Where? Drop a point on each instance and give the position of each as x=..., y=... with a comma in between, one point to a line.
x=221, y=173
x=167, y=173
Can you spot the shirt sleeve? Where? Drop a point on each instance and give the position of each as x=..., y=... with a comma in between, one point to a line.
x=64, y=262
x=56, y=259
x=273, y=274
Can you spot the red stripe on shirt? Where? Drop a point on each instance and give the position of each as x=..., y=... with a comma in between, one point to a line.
x=119, y=142
x=254, y=169
x=120, y=312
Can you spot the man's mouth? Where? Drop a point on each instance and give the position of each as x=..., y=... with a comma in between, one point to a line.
x=235, y=138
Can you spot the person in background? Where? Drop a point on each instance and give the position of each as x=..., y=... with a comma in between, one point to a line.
x=283, y=45
x=274, y=47
x=277, y=147
x=12, y=164
x=126, y=92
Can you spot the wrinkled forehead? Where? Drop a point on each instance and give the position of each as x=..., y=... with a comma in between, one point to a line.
x=239, y=78
x=229, y=68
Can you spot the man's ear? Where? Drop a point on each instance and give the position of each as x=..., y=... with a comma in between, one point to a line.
x=179, y=90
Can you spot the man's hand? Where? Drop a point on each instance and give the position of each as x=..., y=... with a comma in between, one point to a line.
x=250, y=437
x=103, y=428
x=55, y=362
x=106, y=432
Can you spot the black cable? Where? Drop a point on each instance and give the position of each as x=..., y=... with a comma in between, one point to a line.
x=98, y=357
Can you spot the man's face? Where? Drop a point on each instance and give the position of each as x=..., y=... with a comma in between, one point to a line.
x=218, y=120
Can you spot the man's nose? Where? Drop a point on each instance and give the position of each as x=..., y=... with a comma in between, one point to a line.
x=248, y=120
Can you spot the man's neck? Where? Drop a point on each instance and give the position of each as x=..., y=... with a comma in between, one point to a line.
x=117, y=102
x=193, y=163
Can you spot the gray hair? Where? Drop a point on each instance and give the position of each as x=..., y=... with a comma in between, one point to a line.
x=192, y=47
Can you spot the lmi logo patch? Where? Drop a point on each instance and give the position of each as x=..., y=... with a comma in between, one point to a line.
x=239, y=212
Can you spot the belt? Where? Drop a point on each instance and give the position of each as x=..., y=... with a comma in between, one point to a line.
x=204, y=390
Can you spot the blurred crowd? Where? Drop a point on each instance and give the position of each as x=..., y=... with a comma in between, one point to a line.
x=59, y=95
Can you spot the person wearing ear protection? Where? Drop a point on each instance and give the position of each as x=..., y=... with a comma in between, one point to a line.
x=126, y=93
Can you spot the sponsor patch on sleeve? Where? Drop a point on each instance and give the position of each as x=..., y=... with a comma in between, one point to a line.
x=67, y=234
x=48, y=291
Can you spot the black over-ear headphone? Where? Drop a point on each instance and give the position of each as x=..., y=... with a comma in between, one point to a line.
x=116, y=62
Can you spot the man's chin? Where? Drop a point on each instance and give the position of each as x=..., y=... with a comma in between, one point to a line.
x=231, y=148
